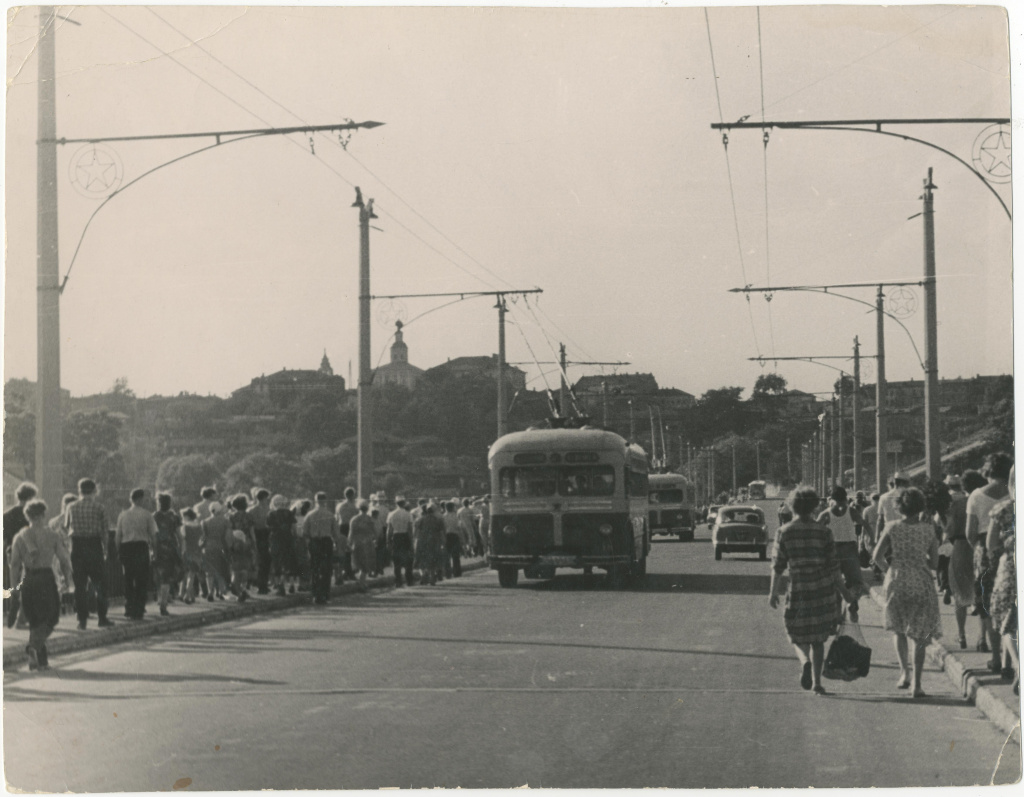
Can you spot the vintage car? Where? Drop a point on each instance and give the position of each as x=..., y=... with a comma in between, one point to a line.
x=740, y=529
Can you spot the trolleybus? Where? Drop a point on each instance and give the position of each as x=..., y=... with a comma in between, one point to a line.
x=568, y=498
x=671, y=511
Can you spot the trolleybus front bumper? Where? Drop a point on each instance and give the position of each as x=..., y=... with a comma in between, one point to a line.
x=551, y=561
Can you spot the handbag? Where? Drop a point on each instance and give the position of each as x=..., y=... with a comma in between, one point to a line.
x=849, y=656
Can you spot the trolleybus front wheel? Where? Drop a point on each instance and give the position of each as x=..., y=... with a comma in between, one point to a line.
x=508, y=575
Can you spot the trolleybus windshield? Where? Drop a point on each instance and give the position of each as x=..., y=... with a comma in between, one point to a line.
x=568, y=480
x=667, y=496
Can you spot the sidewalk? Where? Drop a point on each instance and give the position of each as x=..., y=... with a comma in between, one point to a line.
x=968, y=669
x=66, y=637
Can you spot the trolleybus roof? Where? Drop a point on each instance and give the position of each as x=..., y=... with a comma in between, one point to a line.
x=564, y=439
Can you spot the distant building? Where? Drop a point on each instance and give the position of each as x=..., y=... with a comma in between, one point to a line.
x=796, y=403
x=399, y=371
x=287, y=384
x=481, y=367
x=617, y=384
x=672, y=398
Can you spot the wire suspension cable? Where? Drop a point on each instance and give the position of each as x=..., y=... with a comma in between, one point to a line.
x=728, y=169
x=85, y=229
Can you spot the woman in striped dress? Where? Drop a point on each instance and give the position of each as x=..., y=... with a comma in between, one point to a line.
x=806, y=548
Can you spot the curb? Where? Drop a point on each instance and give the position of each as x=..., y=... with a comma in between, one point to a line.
x=984, y=699
x=222, y=614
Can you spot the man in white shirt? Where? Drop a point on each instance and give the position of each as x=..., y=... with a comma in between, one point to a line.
x=888, y=511
x=135, y=536
x=399, y=539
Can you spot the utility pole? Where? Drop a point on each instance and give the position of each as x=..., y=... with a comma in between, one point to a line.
x=632, y=425
x=757, y=454
x=789, y=459
x=734, y=493
x=932, y=453
x=842, y=433
x=823, y=457
x=502, y=404
x=563, y=391
x=881, y=436
x=654, y=442
x=832, y=449
x=856, y=414
x=604, y=404
x=49, y=446
x=364, y=424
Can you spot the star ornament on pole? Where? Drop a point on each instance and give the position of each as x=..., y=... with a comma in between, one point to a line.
x=902, y=302
x=991, y=153
x=96, y=171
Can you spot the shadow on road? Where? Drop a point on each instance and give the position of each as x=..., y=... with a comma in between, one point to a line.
x=904, y=698
x=681, y=583
x=285, y=634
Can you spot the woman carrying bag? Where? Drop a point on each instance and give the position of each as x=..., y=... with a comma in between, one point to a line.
x=807, y=550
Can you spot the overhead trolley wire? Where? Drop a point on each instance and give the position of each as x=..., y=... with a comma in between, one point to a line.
x=732, y=191
x=365, y=168
x=252, y=113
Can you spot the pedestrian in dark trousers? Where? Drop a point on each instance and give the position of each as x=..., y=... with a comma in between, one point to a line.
x=33, y=552
x=15, y=521
x=452, y=542
x=347, y=510
x=87, y=527
x=321, y=528
x=135, y=539
x=399, y=540
x=259, y=513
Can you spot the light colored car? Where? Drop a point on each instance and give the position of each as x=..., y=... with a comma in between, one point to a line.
x=740, y=529
x=712, y=514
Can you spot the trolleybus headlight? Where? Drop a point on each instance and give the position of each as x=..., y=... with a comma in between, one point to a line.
x=509, y=530
x=605, y=528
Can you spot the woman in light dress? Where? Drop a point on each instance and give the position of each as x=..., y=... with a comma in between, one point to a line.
x=911, y=606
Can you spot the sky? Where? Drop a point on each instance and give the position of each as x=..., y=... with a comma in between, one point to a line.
x=568, y=149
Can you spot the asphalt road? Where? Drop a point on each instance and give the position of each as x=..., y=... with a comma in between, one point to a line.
x=686, y=681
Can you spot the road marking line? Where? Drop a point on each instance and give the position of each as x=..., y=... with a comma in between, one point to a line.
x=28, y=694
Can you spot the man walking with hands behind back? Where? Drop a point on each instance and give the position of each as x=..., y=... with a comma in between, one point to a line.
x=87, y=527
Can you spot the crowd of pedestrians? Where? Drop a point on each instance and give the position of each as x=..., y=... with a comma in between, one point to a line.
x=954, y=538
x=220, y=550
